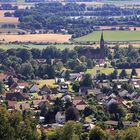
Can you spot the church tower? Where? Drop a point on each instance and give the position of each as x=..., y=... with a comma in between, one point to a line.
x=102, y=47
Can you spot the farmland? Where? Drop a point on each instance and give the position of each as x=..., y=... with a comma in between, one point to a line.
x=111, y=36
x=36, y=38
x=7, y=20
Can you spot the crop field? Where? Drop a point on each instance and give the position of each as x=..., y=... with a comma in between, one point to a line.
x=114, y=36
x=7, y=20
x=59, y=38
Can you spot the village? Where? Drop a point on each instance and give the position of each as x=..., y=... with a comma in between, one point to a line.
x=24, y=96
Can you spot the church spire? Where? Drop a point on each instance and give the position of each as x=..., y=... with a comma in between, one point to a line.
x=102, y=47
x=102, y=36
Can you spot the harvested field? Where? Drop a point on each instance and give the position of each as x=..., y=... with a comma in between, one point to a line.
x=7, y=20
x=11, y=31
x=59, y=38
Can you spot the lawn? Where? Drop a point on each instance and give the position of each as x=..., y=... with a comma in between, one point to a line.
x=111, y=36
x=109, y=70
x=102, y=70
x=30, y=46
x=49, y=82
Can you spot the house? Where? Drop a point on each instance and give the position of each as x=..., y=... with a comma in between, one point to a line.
x=85, y=90
x=41, y=61
x=18, y=87
x=34, y=88
x=66, y=97
x=63, y=87
x=123, y=93
x=77, y=99
x=59, y=80
x=41, y=119
x=36, y=103
x=79, y=103
x=125, y=123
x=25, y=106
x=132, y=95
x=22, y=85
x=15, y=96
x=11, y=104
x=4, y=77
x=88, y=126
x=60, y=117
x=17, y=106
x=76, y=76
x=45, y=90
x=137, y=98
x=111, y=101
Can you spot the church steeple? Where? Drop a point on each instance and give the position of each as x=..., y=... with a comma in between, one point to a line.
x=102, y=37
x=102, y=46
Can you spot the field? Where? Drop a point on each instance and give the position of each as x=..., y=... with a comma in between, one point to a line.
x=30, y=46
x=59, y=38
x=50, y=82
x=111, y=36
x=109, y=70
x=7, y=20
x=120, y=3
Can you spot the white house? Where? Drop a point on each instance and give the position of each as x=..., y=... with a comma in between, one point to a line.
x=133, y=94
x=34, y=88
x=137, y=98
x=123, y=93
x=60, y=117
x=112, y=100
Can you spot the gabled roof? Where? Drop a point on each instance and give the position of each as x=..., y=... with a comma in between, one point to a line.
x=17, y=96
x=37, y=102
x=3, y=76
x=77, y=99
x=23, y=84
x=25, y=106
x=45, y=88
x=11, y=104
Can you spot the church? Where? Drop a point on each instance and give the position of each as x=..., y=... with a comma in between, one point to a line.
x=98, y=53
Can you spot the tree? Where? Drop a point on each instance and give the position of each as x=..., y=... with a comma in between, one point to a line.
x=131, y=133
x=27, y=70
x=76, y=86
x=123, y=74
x=1, y=87
x=90, y=64
x=24, y=54
x=67, y=75
x=10, y=81
x=87, y=111
x=70, y=131
x=114, y=74
x=133, y=72
x=14, y=127
x=72, y=114
x=117, y=109
x=87, y=81
x=98, y=134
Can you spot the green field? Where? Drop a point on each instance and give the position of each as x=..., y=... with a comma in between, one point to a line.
x=109, y=70
x=30, y=46
x=111, y=36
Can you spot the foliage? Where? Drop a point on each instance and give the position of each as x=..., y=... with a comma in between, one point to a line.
x=72, y=114
x=14, y=126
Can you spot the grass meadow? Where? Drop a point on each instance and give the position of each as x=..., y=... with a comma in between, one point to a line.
x=111, y=36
